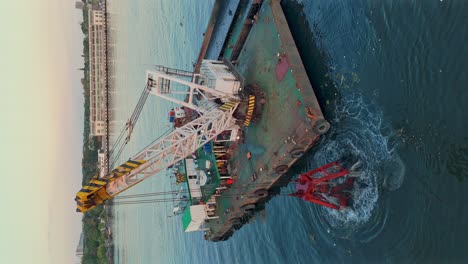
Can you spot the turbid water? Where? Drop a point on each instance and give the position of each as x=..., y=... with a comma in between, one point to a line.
x=391, y=77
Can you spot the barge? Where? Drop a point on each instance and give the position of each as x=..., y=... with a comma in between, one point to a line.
x=264, y=52
x=249, y=115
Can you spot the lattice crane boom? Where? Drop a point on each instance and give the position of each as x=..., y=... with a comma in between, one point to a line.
x=170, y=84
x=157, y=156
x=177, y=145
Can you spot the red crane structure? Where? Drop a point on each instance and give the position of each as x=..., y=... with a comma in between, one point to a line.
x=321, y=187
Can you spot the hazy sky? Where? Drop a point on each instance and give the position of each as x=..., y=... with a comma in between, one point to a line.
x=41, y=114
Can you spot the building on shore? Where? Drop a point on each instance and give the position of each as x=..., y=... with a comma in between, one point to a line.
x=97, y=76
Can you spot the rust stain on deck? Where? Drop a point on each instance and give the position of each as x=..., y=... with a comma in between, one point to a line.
x=282, y=67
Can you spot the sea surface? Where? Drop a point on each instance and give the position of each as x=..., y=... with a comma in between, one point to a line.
x=391, y=77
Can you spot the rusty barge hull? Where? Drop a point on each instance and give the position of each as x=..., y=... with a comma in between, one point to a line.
x=291, y=120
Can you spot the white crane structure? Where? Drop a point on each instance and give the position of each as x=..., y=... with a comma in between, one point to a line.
x=183, y=140
x=216, y=81
x=175, y=146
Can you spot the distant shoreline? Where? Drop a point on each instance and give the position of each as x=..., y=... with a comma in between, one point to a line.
x=97, y=224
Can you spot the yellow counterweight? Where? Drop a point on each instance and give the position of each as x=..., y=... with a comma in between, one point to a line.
x=95, y=193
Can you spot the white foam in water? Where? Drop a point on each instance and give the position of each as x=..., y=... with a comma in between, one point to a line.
x=357, y=131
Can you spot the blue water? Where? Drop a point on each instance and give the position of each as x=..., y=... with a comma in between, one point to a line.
x=391, y=77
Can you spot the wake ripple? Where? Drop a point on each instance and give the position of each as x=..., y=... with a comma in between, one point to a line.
x=358, y=131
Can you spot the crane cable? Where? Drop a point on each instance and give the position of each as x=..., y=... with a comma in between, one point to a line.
x=166, y=200
x=119, y=145
x=130, y=196
x=124, y=200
